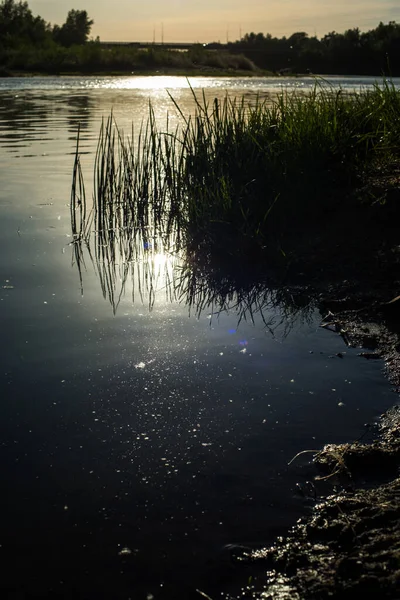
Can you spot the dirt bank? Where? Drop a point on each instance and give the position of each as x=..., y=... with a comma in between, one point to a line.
x=350, y=545
x=351, y=542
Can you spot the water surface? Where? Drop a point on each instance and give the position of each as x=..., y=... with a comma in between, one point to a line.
x=139, y=438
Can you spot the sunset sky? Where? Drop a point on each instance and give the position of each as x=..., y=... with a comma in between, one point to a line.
x=213, y=20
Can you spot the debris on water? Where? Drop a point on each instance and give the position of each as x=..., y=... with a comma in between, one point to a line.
x=201, y=594
x=125, y=552
x=307, y=490
x=341, y=404
x=370, y=355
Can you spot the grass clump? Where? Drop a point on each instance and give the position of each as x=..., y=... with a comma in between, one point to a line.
x=239, y=179
x=267, y=171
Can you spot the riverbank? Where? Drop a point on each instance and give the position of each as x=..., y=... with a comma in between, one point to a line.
x=350, y=543
x=94, y=59
x=349, y=546
x=193, y=72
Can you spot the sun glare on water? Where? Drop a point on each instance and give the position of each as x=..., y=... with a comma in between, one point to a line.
x=154, y=83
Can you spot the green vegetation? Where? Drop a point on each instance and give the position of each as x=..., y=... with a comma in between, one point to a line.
x=29, y=44
x=93, y=58
x=247, y=182
x=75, y=30
x=19, y=28
x=353, y=52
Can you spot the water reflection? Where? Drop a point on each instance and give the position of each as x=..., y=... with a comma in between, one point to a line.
x=137, y=245
x=32, y=119
x=134, y=264
x=154, y=268
x=80, y=112
x=21, y=116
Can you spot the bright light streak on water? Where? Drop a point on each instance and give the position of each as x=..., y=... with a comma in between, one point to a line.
x=152, y=85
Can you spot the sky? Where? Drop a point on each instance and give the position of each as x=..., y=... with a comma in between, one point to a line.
x=218, y=20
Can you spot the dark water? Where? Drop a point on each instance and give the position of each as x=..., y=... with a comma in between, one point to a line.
x=136, y=446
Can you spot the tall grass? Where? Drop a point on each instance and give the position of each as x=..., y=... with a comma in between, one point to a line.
x=242, y=179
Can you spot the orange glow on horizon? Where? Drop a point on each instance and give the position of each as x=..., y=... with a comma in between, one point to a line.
x=219, y=20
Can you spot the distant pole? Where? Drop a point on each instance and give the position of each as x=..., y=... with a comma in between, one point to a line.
x=227, y=34
x=154, y=34
x=240, y=32
x=162, y=33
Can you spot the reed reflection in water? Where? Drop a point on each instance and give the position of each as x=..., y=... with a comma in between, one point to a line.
x=153, y=267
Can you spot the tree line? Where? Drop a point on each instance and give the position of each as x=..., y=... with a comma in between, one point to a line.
x=18, y=27
x=350, y=53
x=29, y=43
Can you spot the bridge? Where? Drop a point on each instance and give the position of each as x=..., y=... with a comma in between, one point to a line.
x=166, y=45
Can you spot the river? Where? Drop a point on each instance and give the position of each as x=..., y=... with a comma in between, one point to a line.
x=138, y=438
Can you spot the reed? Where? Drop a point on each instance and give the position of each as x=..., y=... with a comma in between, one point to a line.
x=240, y=178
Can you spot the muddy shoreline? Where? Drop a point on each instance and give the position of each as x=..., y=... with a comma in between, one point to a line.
x=350, y=543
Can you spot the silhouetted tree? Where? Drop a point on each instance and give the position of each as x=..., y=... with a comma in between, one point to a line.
x=352, y=52
x=18, y=25
x=75, y=30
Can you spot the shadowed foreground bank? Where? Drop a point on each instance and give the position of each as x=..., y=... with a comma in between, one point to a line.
x=350, y=544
